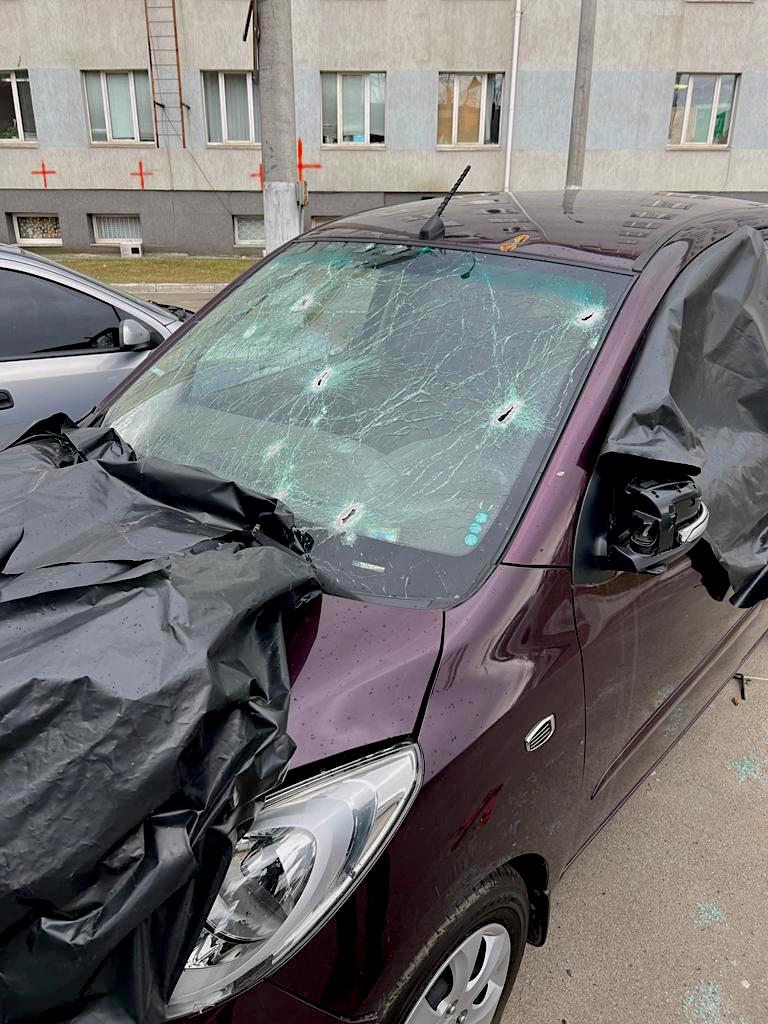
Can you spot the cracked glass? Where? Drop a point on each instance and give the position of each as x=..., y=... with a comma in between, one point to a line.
x=400, y=400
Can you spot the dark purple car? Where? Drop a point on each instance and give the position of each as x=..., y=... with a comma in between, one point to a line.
x=470, y=708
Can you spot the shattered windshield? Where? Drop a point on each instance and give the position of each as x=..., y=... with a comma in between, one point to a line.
x=399, y=400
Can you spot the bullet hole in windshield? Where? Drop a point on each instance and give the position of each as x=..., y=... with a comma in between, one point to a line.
x=348, y=517
x=322, y=380
x=507, y=412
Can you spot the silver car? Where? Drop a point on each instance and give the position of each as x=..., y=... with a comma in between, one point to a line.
x=67, y=340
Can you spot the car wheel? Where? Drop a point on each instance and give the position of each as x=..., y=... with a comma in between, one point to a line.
x=466, y=971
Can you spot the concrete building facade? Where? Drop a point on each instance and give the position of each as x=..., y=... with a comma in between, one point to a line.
x=137, y=120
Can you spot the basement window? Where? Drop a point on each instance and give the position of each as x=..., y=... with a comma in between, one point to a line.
x=112, y=228
x=37, y=229
x=249, y=230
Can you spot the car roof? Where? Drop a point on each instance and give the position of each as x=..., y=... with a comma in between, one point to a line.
x=615, y=230
x=32, y=260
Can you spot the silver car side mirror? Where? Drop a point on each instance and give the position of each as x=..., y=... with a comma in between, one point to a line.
x=134, y=336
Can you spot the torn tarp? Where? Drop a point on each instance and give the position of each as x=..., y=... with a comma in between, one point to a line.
x=143, y=703
x=698, y=399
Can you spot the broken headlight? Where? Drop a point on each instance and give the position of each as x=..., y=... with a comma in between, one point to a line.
x=307, y=849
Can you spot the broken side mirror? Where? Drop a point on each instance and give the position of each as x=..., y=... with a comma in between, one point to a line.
x=630, y=522
x=654, y=521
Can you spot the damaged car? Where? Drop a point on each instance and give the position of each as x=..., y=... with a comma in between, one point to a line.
x=524, y=443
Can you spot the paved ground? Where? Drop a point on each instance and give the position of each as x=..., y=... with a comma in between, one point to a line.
x=664, y=918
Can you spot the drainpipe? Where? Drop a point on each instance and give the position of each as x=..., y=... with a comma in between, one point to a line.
x=512, y=92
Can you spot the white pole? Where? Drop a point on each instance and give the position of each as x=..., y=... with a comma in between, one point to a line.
x=512, y=92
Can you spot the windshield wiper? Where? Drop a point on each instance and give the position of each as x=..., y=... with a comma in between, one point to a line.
x=401, y=257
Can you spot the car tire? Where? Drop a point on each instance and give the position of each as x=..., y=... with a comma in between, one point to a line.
x=498, y=904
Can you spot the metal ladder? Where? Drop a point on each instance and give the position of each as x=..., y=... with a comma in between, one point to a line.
x=163, y=41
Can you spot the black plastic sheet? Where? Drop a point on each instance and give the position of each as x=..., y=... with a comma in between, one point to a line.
x=143, y=702
x=698, y=401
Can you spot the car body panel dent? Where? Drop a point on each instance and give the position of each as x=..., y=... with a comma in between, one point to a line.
x=359, y=675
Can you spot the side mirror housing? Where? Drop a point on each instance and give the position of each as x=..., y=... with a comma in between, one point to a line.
x=134, y=336
x=634, y=523
x=654, y=521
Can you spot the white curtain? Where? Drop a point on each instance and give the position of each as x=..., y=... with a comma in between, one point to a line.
x=236, y=99
x=120, y=114
x=212, y=107
x=378, y=92
x=95, y=106
x=330, y=126
x=352, y=108
x=144, y=105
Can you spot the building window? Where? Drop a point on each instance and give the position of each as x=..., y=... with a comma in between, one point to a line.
x=232, y=112
x=36, y=229
x=469, y=109
x=17, y=118
x=353, y=107
x=119, y=106
x=702, y=109
x=250, y=231
x=116, y=227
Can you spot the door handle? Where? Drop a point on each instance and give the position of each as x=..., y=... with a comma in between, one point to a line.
x=6, y=399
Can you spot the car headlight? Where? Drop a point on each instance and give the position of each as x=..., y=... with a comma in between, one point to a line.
x=307, y=849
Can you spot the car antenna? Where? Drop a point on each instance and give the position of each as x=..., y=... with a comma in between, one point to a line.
x=434, y=227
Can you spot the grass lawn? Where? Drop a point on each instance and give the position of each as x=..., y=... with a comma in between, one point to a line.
x=159, y=269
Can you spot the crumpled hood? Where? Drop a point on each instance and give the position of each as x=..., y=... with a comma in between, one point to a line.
x=360, y=672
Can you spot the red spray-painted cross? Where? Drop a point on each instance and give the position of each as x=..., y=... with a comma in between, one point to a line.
x=300, y=165
x=260, y=175
x=141, y=173
x=44, y=171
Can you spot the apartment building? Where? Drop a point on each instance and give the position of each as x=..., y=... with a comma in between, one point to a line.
x=137, y=121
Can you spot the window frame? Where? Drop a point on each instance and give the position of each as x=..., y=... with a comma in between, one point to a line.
x=252, y=81
x=32, y=242
x=366, y=112
x=21, y=138
x=245, y=244
x=454, y=144
x=709, y=144
x=110, y=141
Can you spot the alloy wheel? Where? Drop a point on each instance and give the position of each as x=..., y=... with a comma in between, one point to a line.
x=468, y=986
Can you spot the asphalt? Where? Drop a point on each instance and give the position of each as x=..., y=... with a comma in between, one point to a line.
x=664, y=917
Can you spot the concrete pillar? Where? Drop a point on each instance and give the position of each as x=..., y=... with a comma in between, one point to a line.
x=282, y=213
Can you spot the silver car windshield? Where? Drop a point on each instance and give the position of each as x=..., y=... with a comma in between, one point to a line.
x=399, y=399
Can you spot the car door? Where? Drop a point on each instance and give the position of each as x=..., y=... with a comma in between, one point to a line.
x=59, y=348
x=656, y=647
